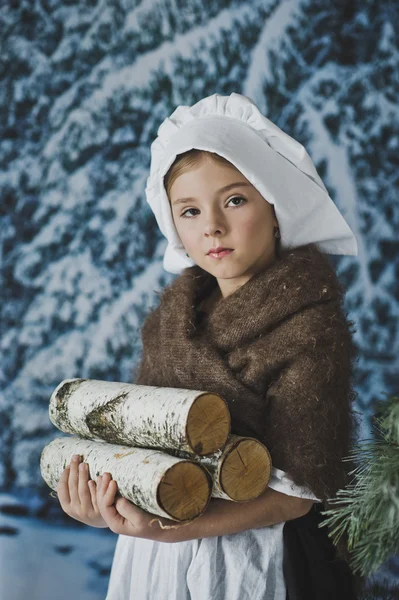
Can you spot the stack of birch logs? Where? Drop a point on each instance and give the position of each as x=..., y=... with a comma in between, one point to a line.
x=168, y=449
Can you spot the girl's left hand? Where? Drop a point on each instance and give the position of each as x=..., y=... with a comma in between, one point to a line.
x=125, y=518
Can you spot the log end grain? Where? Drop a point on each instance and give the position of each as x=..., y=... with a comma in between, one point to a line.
x=185, y=490
x=208, y=424
x=246, y=470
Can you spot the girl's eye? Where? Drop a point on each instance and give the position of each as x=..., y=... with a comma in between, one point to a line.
x=231, y=199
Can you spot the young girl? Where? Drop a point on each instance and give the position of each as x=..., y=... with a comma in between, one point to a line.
x=255, y=315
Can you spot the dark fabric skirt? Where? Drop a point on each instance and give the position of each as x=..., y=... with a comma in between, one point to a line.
x=310, y=566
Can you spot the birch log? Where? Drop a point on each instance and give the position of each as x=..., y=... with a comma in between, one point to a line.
x=240, y=472
x=140, y=415
x=158, y=483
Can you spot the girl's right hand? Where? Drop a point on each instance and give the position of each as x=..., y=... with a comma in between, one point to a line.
x=78, y=495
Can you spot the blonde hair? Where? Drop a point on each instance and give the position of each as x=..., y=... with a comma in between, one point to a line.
x=190, y=160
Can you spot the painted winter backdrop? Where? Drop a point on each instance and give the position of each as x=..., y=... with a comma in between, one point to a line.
x=84, y=87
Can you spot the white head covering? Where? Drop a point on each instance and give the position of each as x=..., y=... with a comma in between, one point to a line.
x=273, y=162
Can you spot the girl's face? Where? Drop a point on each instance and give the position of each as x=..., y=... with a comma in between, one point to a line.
x=238, y=218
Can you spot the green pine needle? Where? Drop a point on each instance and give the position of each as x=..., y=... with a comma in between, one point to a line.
x=368, y=508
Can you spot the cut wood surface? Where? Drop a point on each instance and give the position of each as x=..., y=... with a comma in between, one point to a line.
x=157, y=482
x=193, y=421
x=241, y=471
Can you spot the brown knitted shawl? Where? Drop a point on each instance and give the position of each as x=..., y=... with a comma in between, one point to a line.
x=279, y=350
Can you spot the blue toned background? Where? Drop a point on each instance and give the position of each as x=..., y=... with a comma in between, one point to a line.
x=84, y=87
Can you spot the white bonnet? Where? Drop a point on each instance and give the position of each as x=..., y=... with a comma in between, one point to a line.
x=273, y=162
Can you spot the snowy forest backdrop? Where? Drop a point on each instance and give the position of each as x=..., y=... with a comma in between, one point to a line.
x=84, y=87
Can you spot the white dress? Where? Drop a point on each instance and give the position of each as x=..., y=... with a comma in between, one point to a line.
x=240, y=566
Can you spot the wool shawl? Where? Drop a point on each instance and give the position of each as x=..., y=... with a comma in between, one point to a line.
x=278, y=349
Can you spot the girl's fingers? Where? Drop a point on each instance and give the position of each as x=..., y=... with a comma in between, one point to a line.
x=83, y=487
x=73, y=481
x=99, y=491
x=106, y=490
x=63, y=489
x=93, y=494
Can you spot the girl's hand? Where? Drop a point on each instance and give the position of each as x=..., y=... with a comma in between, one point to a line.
x=78, y=495
x=124, y=517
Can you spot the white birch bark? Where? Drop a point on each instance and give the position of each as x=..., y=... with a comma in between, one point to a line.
x=138, y=472
x=138, y=415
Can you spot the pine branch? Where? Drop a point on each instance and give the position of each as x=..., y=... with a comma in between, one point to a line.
x=368, y=508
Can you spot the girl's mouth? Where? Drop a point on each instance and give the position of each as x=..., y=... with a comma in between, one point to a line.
x=220, y=254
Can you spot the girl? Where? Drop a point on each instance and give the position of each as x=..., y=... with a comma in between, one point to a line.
x=256, y=316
